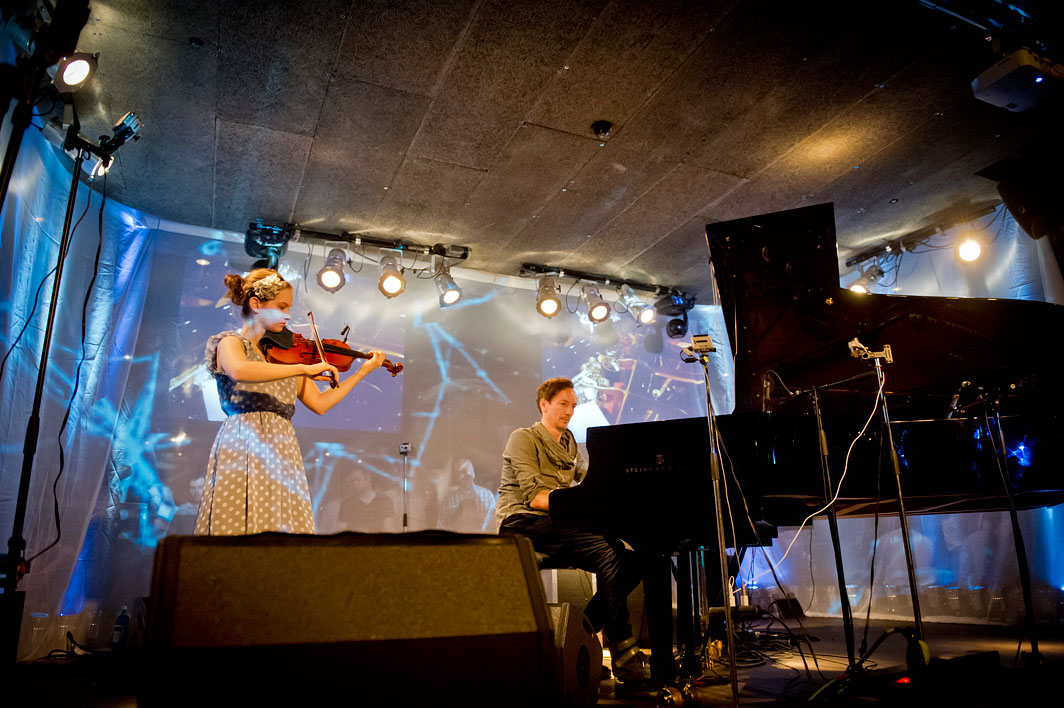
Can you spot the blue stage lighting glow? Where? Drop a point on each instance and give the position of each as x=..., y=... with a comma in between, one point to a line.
x=1022, y=454
x=1038, y=80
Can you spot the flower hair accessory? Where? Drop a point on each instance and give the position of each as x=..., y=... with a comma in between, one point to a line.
x=267, y=288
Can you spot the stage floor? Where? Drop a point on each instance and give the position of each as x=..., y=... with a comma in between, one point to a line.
x=771, y=672
x=964, y=672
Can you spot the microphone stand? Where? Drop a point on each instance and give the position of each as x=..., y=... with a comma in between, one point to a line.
x=1002, y=459
x=860, y=351
x=833, y=527
x=404, y=452
x=701, y=347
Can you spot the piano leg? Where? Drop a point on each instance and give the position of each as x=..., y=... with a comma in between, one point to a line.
x=657, y=593
x=688, y=631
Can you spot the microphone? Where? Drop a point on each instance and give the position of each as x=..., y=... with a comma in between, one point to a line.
x=953, y=404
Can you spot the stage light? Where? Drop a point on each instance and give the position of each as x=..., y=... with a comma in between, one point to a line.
x=98, y=167
x=597, y=308
x=74, y=71
x=969, y=249
x=675, y=306
x=866, y=280
x=267, y=242
x=331, y=276
x=450, y=293
x=547, y=302
x=391, y=282
x=677, y=327
x=127, y=128
x=641, y=311
x=103, y=167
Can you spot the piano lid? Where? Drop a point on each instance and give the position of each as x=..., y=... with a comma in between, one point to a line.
x=779, y=289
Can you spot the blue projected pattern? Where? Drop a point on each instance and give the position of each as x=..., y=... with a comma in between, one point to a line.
x=470, y=376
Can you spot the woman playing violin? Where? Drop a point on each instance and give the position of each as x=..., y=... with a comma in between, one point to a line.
x=255, y=479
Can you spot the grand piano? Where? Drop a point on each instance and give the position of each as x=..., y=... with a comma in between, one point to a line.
x=955, y=360
x=959, y=366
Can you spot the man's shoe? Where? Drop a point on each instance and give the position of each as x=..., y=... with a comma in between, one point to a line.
x=628, y=663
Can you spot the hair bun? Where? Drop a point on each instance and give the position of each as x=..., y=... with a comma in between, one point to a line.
x=235, y=285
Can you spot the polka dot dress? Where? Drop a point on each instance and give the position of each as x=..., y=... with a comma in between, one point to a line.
x=255, y=478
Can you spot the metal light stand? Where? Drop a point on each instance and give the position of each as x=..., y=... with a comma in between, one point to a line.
x=860, y=351
x=1001, y=457
x=16, y=545
x=701, y=347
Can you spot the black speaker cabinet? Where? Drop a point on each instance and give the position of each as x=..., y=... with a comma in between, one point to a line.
x=579, y=655
x=420, y=618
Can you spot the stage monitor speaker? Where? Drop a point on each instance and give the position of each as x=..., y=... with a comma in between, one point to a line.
x=579, y=655
x=429, y=617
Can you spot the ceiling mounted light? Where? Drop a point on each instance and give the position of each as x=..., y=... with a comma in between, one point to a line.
x=548, y=303
x=641, y=311
x=597, y=308
x=331, y=276
x=675, y=306
x=969, y=249
x=677, y=327
x=267, y=242
x=74, y=71
x=866, y=280
x=450, y=293
x=391, y=282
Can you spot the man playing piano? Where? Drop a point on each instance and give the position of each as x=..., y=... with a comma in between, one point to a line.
x=538, y=460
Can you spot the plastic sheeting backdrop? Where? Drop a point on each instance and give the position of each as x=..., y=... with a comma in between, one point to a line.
x=145, y=412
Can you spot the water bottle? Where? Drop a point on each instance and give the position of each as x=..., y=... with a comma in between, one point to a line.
x=121, y=633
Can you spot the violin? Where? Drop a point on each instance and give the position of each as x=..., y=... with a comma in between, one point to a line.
x=288, y=347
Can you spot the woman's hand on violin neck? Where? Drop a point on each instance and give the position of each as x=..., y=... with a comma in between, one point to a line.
x=373, y=362
x=321, y=371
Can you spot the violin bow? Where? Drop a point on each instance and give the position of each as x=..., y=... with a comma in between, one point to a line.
x=321, y=350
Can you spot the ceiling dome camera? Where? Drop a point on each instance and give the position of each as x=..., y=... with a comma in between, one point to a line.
x=677, y=328
x=601, y=129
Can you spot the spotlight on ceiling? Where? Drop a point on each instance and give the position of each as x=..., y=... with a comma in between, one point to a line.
x=450, y=293
x=867, y=279
x=267, y=242
x=391, y=282
x=74, y=71
x=331, y=276
x=969, y=249
x=597, y=308
x=641, y=311
x=548, y=303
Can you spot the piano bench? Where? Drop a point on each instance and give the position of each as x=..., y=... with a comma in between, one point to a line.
x=564, y=583
x=545, y=562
